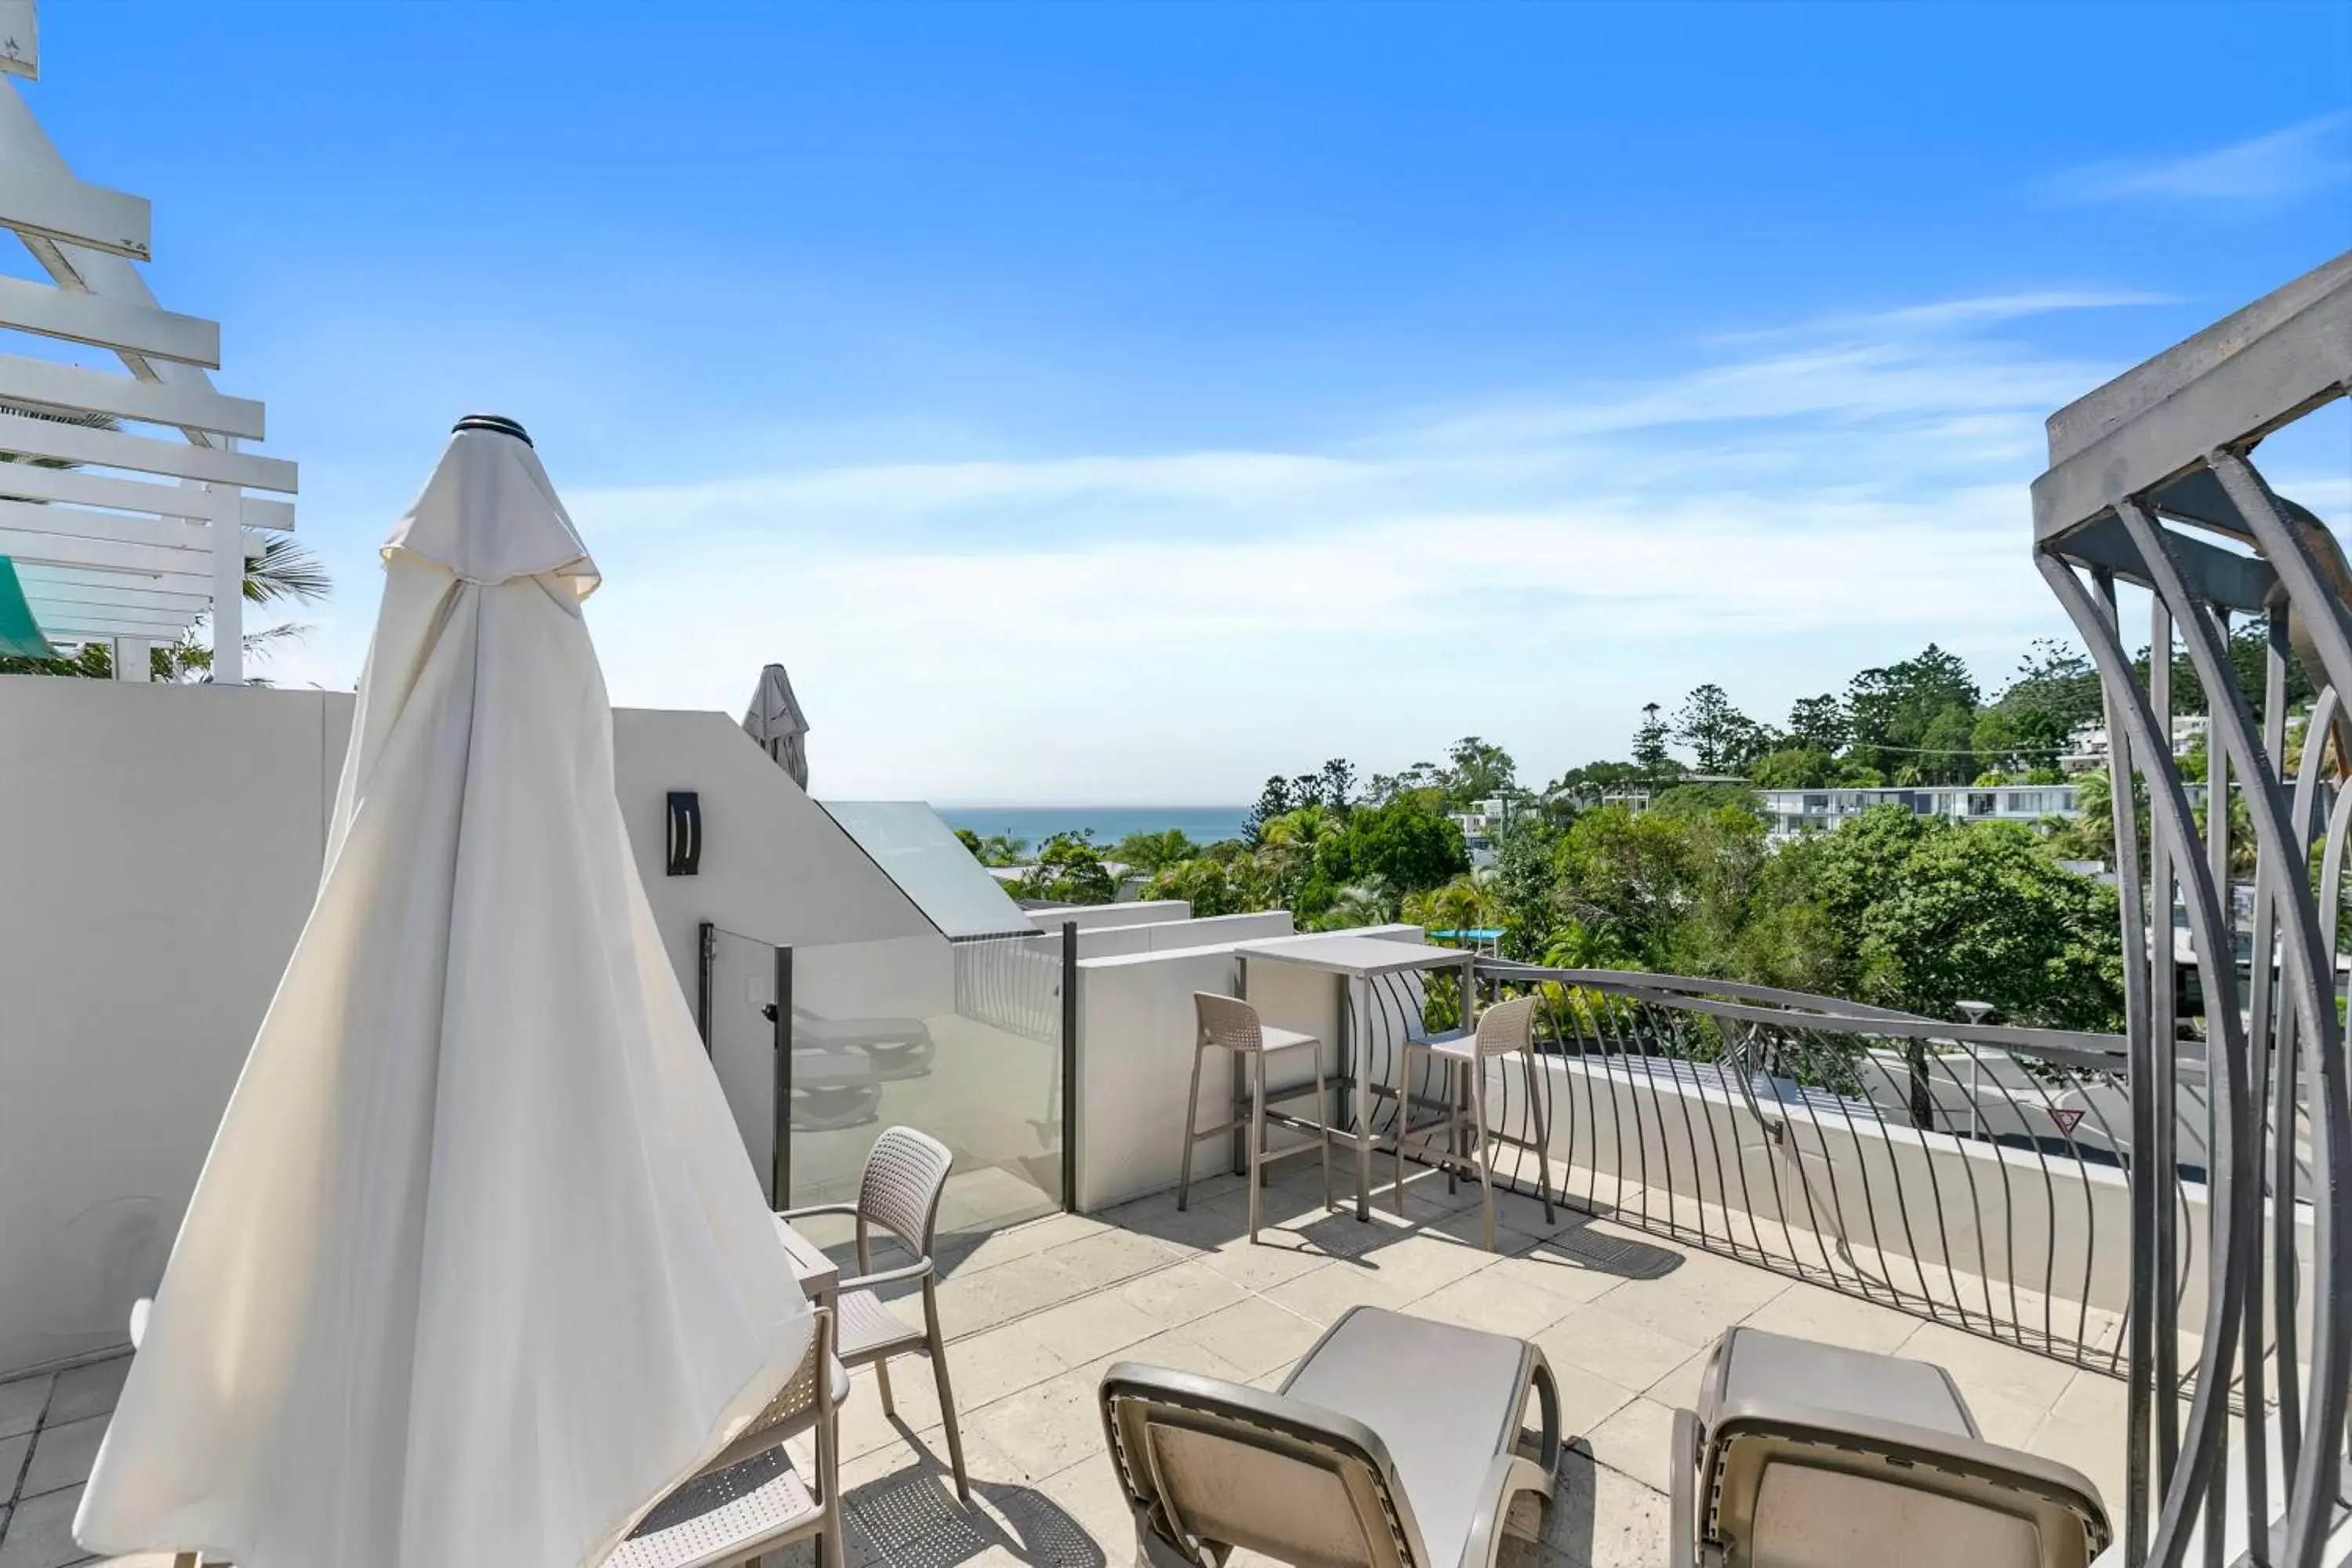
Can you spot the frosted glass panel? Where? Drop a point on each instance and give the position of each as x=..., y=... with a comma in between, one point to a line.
x=962, y=1040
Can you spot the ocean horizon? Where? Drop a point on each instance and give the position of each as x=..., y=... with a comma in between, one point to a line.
x=1033, y=824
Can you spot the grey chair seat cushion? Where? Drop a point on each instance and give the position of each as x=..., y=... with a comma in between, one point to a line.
x=1445, y=1400
x=1751, y=1365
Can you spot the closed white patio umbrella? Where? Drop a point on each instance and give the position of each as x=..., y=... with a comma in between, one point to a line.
x=478, y=1267
x=776, y=722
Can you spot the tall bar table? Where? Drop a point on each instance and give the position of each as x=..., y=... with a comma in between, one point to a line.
x=1354, y=963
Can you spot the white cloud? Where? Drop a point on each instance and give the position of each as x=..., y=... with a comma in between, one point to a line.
x=1171, y=625
x=2260, y=171
x=1945, y=315
x=1159, y=626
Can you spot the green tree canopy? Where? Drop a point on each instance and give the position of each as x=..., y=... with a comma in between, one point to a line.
x=1068, y=871
x=1148, y=852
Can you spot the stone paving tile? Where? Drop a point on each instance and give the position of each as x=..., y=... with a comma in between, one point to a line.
x=21, y=1404
x=1279, y=1256
x=1090, y=1327
x=1497, y=1304
x=1045, y=1429
x=1325, y=1294
x=1256, y=1334
x=40, y=1532
x=1611, y=1344
x=1636, y=1441
x=1419, y=1263
x=1588, y=1399
x=1175, y=1296
x=1678, y=1389
x=62, y=1456
x=87, y=1391
x=1601, y=1516
x=1976, y=1363
x=1810, y=1313
x=1036, y=1313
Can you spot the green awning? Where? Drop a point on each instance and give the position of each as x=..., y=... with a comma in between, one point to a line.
x=20, y=633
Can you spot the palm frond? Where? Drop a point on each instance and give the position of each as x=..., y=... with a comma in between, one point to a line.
x=288, y=569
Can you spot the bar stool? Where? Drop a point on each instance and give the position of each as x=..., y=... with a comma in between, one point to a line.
x=1230, y=1023
x=1504, y=1028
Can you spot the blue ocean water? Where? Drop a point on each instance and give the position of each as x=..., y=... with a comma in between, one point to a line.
x=1033, y=824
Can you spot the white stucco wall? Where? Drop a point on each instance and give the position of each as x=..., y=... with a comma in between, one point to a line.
x=1101, y=917
x=1136, y=1033
x=1168, y=936
x=159, y=849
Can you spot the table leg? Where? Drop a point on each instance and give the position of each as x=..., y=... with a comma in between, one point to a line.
x=1231, y=1103
x=1360, y=1058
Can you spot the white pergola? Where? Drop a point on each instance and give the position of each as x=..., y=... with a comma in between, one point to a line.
x=124, y=503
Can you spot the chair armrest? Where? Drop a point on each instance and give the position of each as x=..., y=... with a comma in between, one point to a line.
x=1682, y=1502
x=813, y=1209
x=1506, y=1478
x=905, y=1271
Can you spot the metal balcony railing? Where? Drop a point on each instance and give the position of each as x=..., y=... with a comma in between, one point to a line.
x=1972, y=1175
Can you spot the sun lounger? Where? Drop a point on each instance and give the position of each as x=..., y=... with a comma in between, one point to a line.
x=1393, y=1443
x=1812, y=1456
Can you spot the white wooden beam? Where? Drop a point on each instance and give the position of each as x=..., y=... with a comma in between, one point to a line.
x=114, y=555
x=99, y=630
x=137, y=596
x=63, y=209
x=112, y=449
x=72, y=387
x=197, y=585
x=275, y=516
x=61, y=612
x=77, y=522
x=20, y=38
x=32, y=482
x=228, y=598
x=78, y=316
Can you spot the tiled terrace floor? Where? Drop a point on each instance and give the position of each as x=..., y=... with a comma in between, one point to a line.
x=1036, y=1312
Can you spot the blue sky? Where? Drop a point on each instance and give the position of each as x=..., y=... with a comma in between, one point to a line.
x=1119, y=403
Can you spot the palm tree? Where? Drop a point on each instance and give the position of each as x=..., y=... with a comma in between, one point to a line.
x=1366, y=903
x=1468, y=902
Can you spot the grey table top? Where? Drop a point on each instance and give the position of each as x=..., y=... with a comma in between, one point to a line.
x=1361, y=956
x=818, y=1274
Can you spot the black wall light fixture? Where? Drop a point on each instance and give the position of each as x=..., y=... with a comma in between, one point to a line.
x=685, y=833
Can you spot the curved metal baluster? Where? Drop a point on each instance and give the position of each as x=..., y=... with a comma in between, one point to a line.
x=2317, y=1476
x=2235, y=1198
x=2286, y=1074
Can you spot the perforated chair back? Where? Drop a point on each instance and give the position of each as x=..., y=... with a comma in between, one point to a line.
x=906, y=1171
x=1507, y=1027
x=1228, y=1021
x=1208, y=1465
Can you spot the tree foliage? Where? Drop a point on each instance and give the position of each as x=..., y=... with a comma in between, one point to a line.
x=1146, y=853
x=1068, y=870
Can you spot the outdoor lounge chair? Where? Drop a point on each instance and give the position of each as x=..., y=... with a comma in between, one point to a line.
x=1393, y=1445
x=1812, y=1456
x=906, y=1172
x=749, y=1501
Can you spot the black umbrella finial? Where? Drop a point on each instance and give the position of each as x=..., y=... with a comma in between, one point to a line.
x=496, y=422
